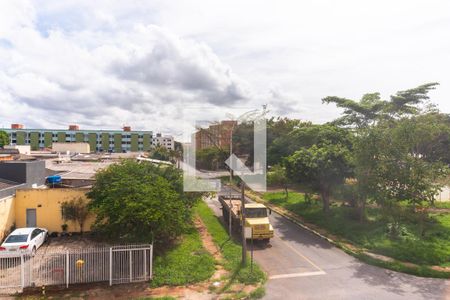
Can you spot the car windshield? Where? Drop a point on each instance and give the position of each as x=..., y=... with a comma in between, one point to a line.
x=256, y=212
x=18, y=238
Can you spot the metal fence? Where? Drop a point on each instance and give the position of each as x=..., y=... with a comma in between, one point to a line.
x=118, y=264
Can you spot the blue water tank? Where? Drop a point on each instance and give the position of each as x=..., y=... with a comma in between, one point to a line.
x=54, y=179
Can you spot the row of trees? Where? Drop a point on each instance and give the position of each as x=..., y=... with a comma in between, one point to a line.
x=393, y=151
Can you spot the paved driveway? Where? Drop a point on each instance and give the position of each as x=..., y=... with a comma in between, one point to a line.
x=301, y=265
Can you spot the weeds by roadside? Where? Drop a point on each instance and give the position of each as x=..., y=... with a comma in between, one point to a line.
x=230, y=249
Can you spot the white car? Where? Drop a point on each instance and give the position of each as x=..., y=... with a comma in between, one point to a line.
x=26, y=240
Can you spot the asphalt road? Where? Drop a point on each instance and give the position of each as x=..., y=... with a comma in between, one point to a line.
x=301, y=265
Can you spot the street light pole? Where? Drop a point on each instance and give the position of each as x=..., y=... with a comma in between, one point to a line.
x=231, y=178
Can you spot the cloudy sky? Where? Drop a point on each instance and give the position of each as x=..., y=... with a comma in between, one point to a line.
x=108, y=63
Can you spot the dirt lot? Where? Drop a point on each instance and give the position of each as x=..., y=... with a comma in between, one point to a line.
x=63, y=243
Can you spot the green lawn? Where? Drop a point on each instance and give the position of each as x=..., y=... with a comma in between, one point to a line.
x=188, y=262
x=231, y=250
x=432, y=249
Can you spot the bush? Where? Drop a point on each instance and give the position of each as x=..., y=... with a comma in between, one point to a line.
x=137, y=202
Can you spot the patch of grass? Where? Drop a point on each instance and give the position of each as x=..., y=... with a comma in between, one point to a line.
x=188, y=262
x=257, y=293
x=442, y=204
x=225, y=180
x=422, y=271
x=231, y=250
x=431, y=249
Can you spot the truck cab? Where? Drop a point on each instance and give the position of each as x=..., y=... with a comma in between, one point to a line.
x=257, y=217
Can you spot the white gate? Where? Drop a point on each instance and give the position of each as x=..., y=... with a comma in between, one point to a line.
x=118, y=264
x=15, y=272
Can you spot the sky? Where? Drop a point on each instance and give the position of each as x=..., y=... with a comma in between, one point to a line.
x=104, y=64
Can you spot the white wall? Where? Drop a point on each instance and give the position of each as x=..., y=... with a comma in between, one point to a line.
x=23, y=149
x=6, y=215
x=444, y=195
x=71, y=147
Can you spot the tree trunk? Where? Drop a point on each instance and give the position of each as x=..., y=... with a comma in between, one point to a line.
x=362, y=210
x=286, y=192
x=325, y=193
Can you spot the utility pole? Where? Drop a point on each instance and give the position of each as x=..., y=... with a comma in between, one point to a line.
x=231, y=178
x=244, y=242
x=231, y=182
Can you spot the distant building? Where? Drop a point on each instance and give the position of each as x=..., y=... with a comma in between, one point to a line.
x=166, y=141
x=216, y=135
x=99, y=140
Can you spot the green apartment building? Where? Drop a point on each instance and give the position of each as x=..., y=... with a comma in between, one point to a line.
x=118, y=141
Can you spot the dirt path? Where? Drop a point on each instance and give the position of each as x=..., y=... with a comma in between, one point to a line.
x=199, y=290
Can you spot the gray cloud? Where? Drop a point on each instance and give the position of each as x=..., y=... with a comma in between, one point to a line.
x=173, y=63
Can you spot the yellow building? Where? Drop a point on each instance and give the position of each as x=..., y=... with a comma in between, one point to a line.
x=42, y=208
x=7, y=215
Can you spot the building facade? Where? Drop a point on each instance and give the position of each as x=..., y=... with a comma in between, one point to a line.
x=99, y=140
x=216, y=135
x=166, y=141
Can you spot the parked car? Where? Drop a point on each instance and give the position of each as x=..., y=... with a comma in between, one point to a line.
x=26, y=240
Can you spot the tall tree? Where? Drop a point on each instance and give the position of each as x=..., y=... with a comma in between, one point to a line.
x=371, y=108
x=277, y=177
x=280, y=142
x=160, y=152
x=321, y=168
x=360, y=113
x=322, y=160
x=371, y=118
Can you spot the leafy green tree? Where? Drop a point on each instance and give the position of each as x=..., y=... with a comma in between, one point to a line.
x=75, y=210
x=136, y=201
x=372, y=119
x=212, y=158
x=4, y=138
x=281, y=141
x=277, y=177
x=366, y=152
x=371, y=108
x=277, y=138
x=323, y=162
x=362, y=113
x=402, y=174
x=160, y=152
x=431, y=138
